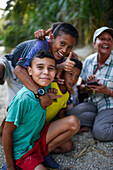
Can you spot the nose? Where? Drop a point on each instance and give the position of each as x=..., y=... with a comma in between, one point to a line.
x=64, y=49
x=45, y=71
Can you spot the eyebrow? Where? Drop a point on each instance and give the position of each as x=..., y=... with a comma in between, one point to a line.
x=44, y=64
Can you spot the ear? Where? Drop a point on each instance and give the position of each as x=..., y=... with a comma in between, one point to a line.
x=94, y=44
x=29, y=69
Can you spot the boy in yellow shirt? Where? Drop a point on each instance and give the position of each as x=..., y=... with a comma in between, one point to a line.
x=58, y=107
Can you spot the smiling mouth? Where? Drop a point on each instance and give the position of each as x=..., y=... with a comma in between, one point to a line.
x=105, y=47
x=45, y=78
x=60, y=54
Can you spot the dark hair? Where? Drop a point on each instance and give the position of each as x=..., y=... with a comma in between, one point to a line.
x=54, y=25
x=42, y=54
x=78, y=62
x=66, y=28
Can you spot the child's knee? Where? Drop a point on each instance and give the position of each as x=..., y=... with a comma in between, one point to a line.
x=74, y=123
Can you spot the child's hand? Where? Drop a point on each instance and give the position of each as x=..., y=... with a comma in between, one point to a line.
x=91, y=78
x=68, y=64
x=59, y=74
x=45, y=101
x=40, y=34
x=52, y=94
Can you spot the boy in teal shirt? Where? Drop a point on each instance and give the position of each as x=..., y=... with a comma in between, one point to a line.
x=25, y=138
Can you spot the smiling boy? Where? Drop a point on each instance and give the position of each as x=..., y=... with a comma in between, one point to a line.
x=60, y=45
x=25, y=138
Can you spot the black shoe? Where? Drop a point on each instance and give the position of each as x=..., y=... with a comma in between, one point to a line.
x=50, y=162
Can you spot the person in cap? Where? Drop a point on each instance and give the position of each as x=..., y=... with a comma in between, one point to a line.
x=97, y=112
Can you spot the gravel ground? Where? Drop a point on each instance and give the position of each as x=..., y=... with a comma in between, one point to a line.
x=88, y=153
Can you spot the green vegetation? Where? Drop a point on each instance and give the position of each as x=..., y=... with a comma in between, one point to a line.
x=23, y=17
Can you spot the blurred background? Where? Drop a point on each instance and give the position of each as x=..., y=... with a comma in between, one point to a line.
x=19, y=19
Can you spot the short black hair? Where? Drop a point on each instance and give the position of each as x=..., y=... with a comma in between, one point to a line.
x=78, y=62
x=43, y=54
x=54, y=25
x=66, y=28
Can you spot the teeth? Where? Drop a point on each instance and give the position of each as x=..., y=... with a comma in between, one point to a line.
x=105, y=47
x=60, y=54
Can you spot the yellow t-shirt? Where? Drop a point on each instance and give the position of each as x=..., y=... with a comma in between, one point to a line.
x=56, y=106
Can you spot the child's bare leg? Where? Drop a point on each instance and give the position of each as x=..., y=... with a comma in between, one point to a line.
x=40, y=167
x=65, y=147
x=61, y=131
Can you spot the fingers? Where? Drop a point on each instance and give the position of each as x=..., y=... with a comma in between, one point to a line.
x=48, y=31
x=40, y=34
x=60, y=81
x=91, y=78
x=70, y=55
x=59, y=96
x=68, y=63
x=52, y=90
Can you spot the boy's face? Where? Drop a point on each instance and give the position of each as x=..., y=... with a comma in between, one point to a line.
x=71, y=77
x=62, y=45
x=104, y=43
x=42, y=71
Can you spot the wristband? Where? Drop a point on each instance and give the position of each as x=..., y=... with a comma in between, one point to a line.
x=40, y=92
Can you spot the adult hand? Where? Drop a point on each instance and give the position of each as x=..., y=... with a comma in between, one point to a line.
x=99, y=89
x=68, y=64
x=40, y=34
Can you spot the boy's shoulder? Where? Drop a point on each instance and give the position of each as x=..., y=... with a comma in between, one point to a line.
x=23, y=93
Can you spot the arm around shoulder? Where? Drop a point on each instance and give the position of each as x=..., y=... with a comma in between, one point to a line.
x=26, y=80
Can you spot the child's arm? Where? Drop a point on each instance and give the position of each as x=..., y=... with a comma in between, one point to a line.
x=8, y=144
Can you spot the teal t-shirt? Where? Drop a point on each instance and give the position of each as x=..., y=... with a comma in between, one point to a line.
x=29, y=117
